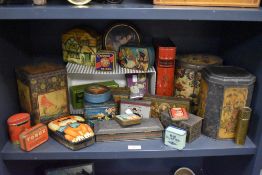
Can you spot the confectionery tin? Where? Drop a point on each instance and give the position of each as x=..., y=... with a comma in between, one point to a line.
x=138, y=107
x=72, y=132
x=224, y=91
x=136, y=57
x=79, y=2
x=105, y=60
x=128, y=119
x=121, y=34
x=110, y=130
x=17, y=124
x=175, y=137
x=80, y=46
x=33, y=137
x=43, y=91
x=178, y=114
x=138, y=84
x=188, y=75
x=97, y=93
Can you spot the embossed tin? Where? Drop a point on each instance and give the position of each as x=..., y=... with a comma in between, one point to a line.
x=224, y=91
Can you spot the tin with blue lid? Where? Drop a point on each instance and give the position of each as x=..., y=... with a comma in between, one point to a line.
x=97, y=93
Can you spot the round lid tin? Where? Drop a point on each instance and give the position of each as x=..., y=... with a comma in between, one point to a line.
x=228, y=75
x=121, y=34
x=18, y=118
x=184, y=171
x=197, y=61
x=79, y=2
x=97, y=93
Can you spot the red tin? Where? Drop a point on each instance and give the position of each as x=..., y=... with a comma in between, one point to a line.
x=16, y=124
x=33, y=137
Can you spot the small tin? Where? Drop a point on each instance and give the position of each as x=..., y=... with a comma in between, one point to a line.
x=184, y=171
x=105, y=60
x=178, y=114
x=79, y=2
x=17, y=124
x=138, y=107
x=175, y=137
x=138, y=84
x=224, y=91
x=97, y=93
x=128, y=119
x=33, y=137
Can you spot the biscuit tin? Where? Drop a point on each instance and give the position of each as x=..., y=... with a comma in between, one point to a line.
x=136, y=57
x=128, y=119
x=97, y=93
x=43, y=91
x=175, y=137
x=105, y=60
x=121, y=34
x=17, y=123
x=224, y=91
x=188, y=75
x=110, y=130
x=138, y=84
x=33, y=137
x=80, y=46
x=72, y=132
x=138, y=107
x=160, y=104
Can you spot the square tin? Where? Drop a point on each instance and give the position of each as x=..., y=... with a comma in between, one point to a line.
x=105, y=60
x=175, y=137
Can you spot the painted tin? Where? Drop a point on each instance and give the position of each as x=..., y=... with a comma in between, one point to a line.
x=17, y=124
x=138, y=84
x=80, y=46
x=128, y=119
x=160, y=104
x=110, y=130
x=33, y=137
x=72, y=132
x=121, y=34
x=97, y=93
x=43, y=91
x=178, y=114
x=138, y=107
x=175, y=137
x=188, y=75
x=105, y=60
x=224, y=91
x=136, y=57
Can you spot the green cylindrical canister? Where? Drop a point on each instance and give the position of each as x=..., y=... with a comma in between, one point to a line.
x=224, y=91
x=188, y=75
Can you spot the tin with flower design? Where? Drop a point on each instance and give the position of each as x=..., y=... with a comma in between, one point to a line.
x=188, y=75
x=42, y=90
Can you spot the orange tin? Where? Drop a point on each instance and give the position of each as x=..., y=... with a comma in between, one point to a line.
x=33, y=137
x=16, y=124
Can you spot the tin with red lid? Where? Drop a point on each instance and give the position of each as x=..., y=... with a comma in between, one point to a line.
x=17, y=123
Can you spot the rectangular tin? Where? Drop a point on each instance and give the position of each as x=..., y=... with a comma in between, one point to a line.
x=139, y=107
x=105, y=60
x=178, y=114
x=128, y=119
x=138, y=84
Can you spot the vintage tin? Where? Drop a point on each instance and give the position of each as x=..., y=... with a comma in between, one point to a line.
x=128, y=119
x=120, y=93
x=110, y=130
x=17, y=124
x=165, y=56
x=224, y=91
x=97, y=93
x=77, y=92
x=80, y=46
x=136, y=57
x=138, y=84
x=188, y=75
x=160, y=104
x=178, y=114
x=121, y=34
x=175, y=137
x=72, y=132
x=43, y=91
x=101, y=111
x=105, y=60
x=33, y=137
x=139, y=107
x=184, y=171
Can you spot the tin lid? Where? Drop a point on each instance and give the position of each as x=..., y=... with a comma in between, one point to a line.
x=41, y=68
x=197, y=61
x=97, y=89
x=228, y=75
x=18, y=118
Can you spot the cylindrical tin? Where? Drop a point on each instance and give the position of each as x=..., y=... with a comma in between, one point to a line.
x=224, y=91
x=97, y=93
x=16, y=124
x=188, y=75
x=242, y=125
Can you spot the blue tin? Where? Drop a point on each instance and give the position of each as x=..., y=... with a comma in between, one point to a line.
x=97, y=93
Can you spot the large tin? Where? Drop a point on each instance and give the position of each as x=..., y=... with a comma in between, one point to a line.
x=138, y=107
x=43, y=91
x=188, y=75
x=33, y=137
x=224, y=91
x=17, y=124
x=110, y=130
x=80, y=46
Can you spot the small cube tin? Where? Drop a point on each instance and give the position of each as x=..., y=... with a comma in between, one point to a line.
x=97, y=93
x=33, y=137
x=128, y=119
x=105, y=60
x=175, y=137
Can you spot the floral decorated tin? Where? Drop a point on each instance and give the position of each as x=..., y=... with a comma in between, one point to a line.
x=43, y=91
x=224, y=91
x=188, y=75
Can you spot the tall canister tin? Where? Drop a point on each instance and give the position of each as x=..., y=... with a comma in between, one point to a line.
x=224, y=91
x=188, y=75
